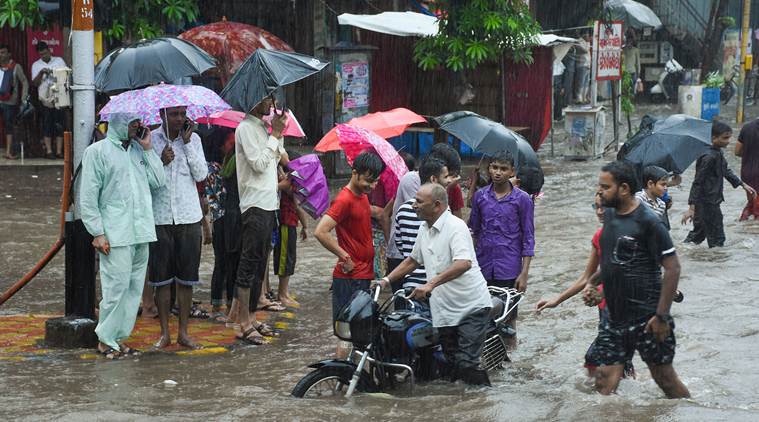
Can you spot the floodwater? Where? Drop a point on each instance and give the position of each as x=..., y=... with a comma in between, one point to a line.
x=717, y=334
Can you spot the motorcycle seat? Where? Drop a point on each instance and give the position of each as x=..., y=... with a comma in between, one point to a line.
x=497, y=309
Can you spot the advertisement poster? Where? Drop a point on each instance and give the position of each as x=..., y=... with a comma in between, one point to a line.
x=53, y=38
x=731, y=48
x=609, y=57
x=354, y=78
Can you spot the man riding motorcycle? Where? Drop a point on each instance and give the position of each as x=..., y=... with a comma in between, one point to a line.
x=460, y=303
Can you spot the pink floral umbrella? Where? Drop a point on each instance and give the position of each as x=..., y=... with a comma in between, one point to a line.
x=148, y=102
x=355, y=140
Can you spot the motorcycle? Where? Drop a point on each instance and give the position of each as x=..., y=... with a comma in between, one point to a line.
x=669, y=82
x=729, y=87
x=395, y=346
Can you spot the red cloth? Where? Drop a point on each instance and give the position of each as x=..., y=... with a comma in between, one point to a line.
x=455, y=197
x=528, y=95
x=597, y=246
x=354, y=233
x=287, y=214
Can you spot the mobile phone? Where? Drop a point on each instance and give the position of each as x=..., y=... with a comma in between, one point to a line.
x=141, y=132
x=186, y=126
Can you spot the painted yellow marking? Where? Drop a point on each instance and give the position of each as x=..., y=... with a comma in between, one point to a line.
x=202, y=352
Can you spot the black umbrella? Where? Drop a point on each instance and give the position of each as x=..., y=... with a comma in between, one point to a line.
x=488, y=137
x=148, y=62
x=673, y=144
x=265, y=71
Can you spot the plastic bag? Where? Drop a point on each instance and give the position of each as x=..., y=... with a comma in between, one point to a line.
x=639, y=87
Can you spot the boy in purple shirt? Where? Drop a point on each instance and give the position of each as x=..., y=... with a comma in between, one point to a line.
x=503, y=229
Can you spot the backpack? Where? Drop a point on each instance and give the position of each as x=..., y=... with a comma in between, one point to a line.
x=6, y=83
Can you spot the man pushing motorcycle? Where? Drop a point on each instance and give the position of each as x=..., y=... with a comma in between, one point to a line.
x=458, y=294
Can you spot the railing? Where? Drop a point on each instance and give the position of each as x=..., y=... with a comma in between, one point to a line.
x=683, y=15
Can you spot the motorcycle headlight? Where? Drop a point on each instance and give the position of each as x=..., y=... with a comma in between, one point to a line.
x=343, y=330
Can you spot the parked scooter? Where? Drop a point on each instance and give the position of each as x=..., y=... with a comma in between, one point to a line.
x=669, y=82
x=729, y=87
x=392, y=347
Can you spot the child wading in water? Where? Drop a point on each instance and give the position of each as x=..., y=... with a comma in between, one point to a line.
x=591, y=356
x=503, y=230
x=350, y=216
x=654, y=188
x=706, y=191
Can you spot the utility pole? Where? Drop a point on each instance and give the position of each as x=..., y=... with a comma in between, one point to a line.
x=83, y=60
x=77, y=328
x=742, y=70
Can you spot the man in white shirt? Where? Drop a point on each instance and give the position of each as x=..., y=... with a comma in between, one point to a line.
x=459, y=298
x=257, y=155
x=52, y=118
x=175, y=256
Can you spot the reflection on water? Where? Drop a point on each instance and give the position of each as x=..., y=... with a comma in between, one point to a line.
x=716, y=334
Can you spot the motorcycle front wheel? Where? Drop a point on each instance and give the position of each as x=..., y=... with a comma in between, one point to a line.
x=328, y=381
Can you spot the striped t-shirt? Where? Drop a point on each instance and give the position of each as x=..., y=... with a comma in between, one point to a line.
x=406, y=228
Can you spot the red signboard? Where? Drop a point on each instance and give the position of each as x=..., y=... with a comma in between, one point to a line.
x=53, y=38
x=608, y=38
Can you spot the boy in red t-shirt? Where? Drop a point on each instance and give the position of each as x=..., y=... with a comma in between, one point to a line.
x=350, y=217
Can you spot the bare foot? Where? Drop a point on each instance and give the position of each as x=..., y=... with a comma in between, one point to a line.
x=163, y=342
x=186, y=341
x=289, y=302
x=149, y=312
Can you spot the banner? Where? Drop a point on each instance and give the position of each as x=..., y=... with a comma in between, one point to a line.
x=53, y=38
x=608, y=59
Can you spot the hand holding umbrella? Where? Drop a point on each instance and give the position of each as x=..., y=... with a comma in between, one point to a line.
x=278, y=124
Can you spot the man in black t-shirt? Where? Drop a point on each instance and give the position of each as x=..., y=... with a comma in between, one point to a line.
x=635, y=245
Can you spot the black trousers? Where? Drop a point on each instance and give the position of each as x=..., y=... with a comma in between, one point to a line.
x=462, y=346
x=707, y=224
x=224, y=266
x=257, y=227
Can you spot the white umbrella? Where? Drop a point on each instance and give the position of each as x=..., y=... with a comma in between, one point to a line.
x=634, y=14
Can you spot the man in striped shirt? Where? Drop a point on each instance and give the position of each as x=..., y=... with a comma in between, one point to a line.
x=432, y=170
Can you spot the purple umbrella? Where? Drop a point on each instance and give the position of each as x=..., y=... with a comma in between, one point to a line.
x=310, y=187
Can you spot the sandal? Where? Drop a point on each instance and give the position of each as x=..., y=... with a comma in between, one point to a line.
x=126, y=350
x=272, y=307
x=265, y=330
x=248, y=338
x=218, y=317
x=110, y=353
x=198, y=312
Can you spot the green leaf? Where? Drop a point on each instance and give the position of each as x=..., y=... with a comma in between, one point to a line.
x=493, y=22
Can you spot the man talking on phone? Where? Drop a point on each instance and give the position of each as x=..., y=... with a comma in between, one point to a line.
x=175, y=257
x=457, y=291
x=116, y=208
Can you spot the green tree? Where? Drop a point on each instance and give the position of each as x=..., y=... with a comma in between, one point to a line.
x=131, y=20
x=476, y=31
x=20, y=14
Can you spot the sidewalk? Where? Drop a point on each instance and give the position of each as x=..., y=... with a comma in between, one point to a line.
x=22, y=337
x=30, y=162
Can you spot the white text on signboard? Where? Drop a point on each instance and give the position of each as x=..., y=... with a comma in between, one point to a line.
x=609, y=56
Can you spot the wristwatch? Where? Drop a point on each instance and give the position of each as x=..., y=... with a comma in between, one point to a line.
x=664, y=318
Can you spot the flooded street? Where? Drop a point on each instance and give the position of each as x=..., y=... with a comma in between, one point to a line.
x=717, y=332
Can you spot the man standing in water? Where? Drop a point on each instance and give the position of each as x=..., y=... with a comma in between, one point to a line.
x=175, y=257
x=117, y=176
x=635, y=245
x=257, y=155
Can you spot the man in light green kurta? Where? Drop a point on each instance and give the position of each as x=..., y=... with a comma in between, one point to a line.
x=116, y=207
